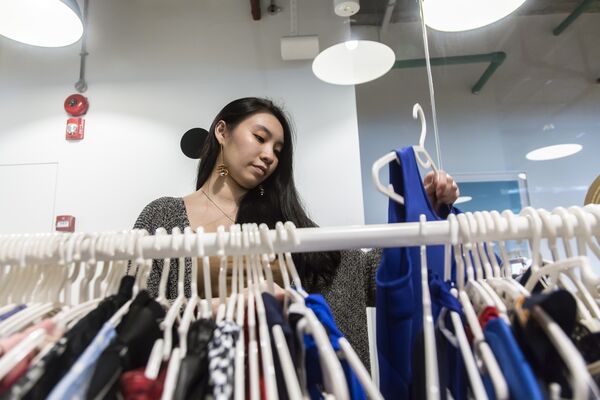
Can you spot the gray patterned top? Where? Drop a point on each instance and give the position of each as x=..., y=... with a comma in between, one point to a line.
x=350, y=292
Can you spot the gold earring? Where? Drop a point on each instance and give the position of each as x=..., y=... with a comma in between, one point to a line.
x=222, y=168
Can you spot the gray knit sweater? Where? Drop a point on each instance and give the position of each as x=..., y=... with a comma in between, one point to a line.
x=350, y=292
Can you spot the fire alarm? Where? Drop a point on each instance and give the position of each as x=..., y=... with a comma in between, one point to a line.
x=76, y=105
x=75, y=128
x=65, y=223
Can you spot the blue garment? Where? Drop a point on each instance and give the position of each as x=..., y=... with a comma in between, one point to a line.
x=314, y=377
x=12, y=312
x=517, y=372
x=398, y=280
x=451, y=366
x=74, y=385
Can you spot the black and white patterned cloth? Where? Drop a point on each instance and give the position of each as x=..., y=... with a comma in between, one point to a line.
x=221, y=356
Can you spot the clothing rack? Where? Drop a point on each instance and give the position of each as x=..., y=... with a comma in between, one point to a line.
x=309, y=239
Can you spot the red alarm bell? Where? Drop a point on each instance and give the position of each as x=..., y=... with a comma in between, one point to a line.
x=76, y=105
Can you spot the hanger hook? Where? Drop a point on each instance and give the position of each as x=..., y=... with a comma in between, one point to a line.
x=418, y=113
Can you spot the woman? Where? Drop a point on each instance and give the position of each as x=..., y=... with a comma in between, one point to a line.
x=245, y=175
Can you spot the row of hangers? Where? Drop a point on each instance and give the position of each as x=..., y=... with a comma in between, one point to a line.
x=41, y=287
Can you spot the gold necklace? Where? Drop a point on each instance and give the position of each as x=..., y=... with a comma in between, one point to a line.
x=219, y=208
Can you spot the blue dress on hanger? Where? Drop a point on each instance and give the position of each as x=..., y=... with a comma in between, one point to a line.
x=399, y=299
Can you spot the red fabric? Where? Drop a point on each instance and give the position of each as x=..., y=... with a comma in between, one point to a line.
x=136, y=386
x=487, y=315
x=16, y=373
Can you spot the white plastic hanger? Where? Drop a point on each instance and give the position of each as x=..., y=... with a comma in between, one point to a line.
x=482, y=349
x=391, y=156
x=239, y=371
x=268, y=366
x=221, y=252
x=174, y=312
x=165, y=272
x=432, y=382
x=157, y=354
x=253, y=365
x=172, y=374
x=174, y=355
x=232, y=299
x=194, y=300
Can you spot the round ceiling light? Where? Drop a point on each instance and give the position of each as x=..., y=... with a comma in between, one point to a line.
x=353, y=62
x=346, y=8
x=464, y=15
x=463, y=199
x=44, y=23
x=554, y=152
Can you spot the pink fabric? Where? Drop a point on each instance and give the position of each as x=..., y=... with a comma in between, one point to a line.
x=11, y=341
x=53, y=333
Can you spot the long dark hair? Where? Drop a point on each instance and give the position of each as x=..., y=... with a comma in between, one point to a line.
x=280, y=201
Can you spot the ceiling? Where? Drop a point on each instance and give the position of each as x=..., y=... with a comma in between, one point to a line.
x=372, y=11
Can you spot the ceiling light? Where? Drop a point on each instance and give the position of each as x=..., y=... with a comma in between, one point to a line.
x=553, y=152
x=45, y=23
x=522, y=175
x=463, y=199
x=353, y=62
x=464, y=15
x=346, y=8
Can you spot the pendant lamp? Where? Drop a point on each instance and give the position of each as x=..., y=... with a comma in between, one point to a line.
x=353, y=62
x=44, y=23
x=464, y=15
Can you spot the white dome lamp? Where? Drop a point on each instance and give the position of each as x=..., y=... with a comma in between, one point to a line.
x=44, y=23
x=464, y=15
x=355, y=61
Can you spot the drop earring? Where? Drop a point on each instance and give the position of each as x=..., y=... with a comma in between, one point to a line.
x=261, y=190
x=222, y=168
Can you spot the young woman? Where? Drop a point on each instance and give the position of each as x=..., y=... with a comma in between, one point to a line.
x=245, y=175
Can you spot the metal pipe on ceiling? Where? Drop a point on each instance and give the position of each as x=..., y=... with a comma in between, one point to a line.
x=495, y=59
x=585, y=4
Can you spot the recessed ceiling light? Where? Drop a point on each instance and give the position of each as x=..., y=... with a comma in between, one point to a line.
x=554, y=152
x=463, y=199
x=464, y=15
x=44, y=23
x=522, y=176
x=353, y=62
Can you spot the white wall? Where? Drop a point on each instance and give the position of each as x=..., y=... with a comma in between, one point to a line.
x=544, y=93
x=156, y=69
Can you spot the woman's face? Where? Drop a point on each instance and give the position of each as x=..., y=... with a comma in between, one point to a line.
x=251, y=150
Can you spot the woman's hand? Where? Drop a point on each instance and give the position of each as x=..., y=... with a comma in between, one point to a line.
x=441, y=189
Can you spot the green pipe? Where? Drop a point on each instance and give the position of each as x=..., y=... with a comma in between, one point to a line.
x=585, y=4
x=495, y=59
